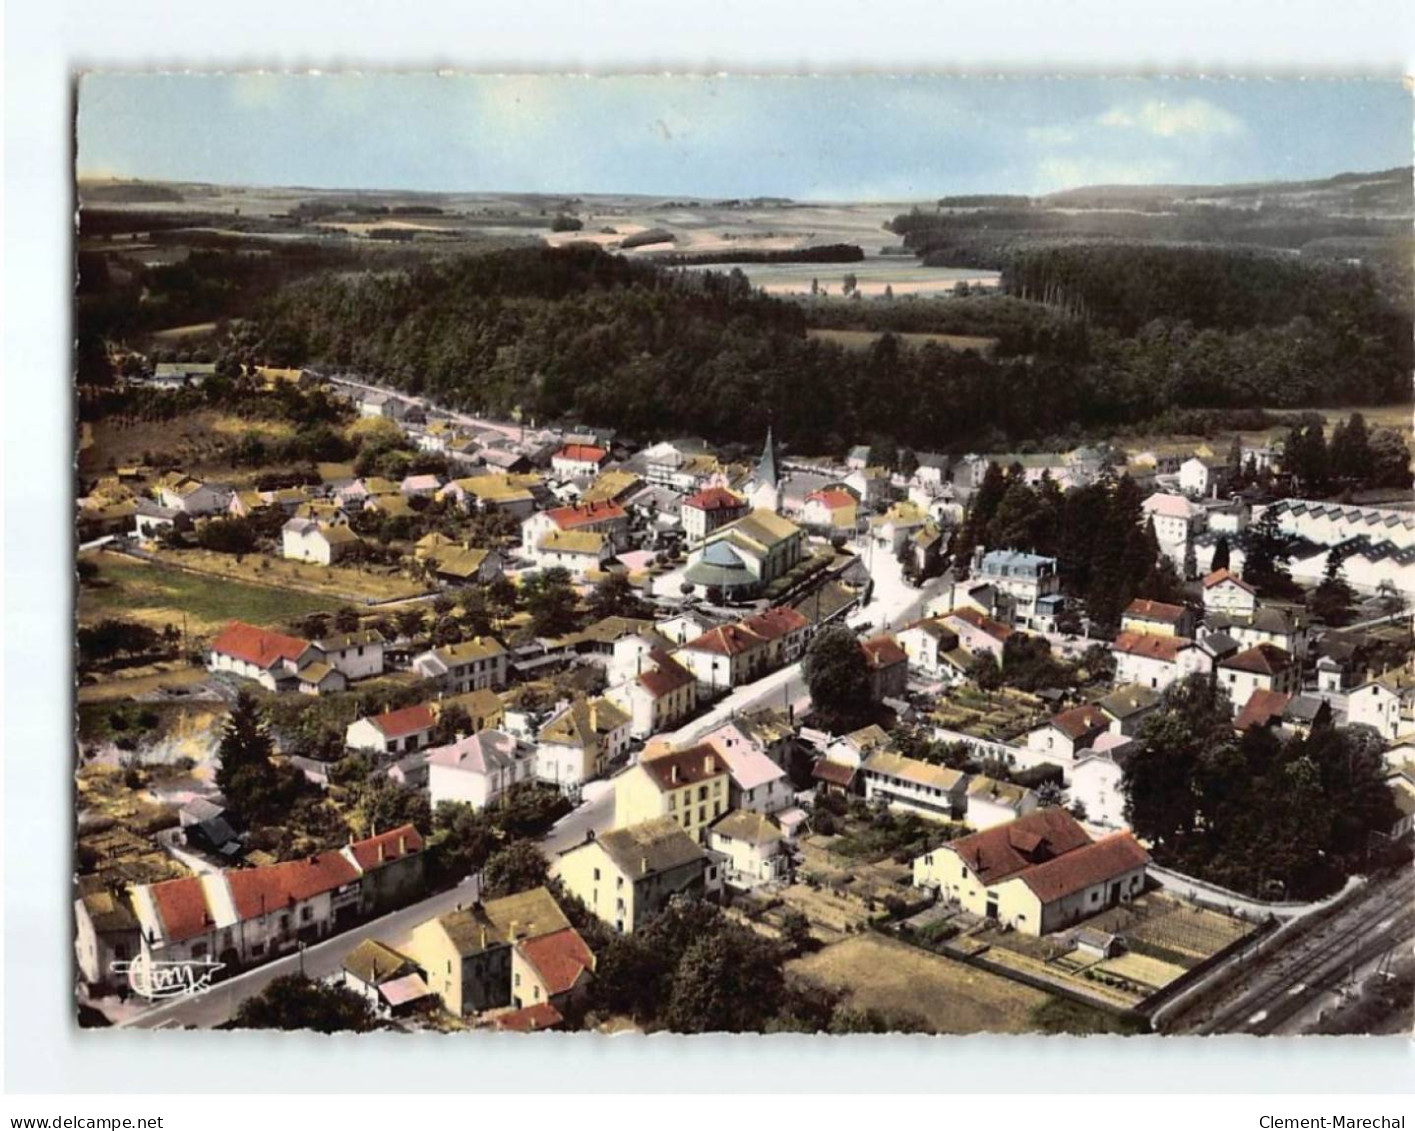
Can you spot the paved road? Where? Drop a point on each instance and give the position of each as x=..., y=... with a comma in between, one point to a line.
x=594, y=813
x=219, y=1004
x=1288, y=982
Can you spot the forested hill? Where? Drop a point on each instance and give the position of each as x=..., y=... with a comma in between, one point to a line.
x=579, y=332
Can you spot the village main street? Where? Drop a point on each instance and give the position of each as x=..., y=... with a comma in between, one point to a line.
x=218, y=1005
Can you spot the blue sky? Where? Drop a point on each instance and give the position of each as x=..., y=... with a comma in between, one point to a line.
x=831, y=138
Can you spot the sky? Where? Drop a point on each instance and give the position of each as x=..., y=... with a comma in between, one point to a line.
x=868, y=137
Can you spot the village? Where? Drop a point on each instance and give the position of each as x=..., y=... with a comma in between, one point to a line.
x=544, y=686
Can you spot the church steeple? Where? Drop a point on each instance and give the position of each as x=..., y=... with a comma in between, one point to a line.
x=766, y=466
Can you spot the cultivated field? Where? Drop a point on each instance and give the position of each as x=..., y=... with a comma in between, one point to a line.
x=902, y=274
x=159, y=595
x=863, y=339
x=879, y=973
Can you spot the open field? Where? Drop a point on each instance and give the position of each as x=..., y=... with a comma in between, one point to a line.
x=863, y=339
x=879, y=973
x=158, y=595
x=903, y=274
x=195, y=440
x=153, y=680
x=345, y=583
x=174, y=335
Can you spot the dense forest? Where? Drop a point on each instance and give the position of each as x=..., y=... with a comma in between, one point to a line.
x=1097, y=338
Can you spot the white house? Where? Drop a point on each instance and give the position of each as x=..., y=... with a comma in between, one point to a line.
x=709, y=509
x=989, y=802
x=753, y=847
x=580, y=740
x=1264, y=667
x=305, y=540
x=392, y=732
x=1202, y=476
x=478, y=769
x=192, y=497
x=356, y=655
x=581, y=552
x=1157, y=661
x=1226, y=592
x=575, y=460
x=607, y=518
x=1386, y=703
x=659, y=696
x=936, y=792
x=1176, y=520
x=469, y=666
x=1024, y=580
x=757, y=784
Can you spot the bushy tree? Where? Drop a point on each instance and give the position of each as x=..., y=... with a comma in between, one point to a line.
x=838, y=675
x=295, y=1002
x=519, y=866
x=552, y=601
x=246, y=775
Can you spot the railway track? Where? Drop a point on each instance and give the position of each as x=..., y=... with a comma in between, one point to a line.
x=1291, y=978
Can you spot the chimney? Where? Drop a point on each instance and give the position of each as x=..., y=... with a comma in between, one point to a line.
x=483, y=938
x=402, y=843
x=382, y=852
x=511, y=931
x=673, y=773
x=710, y=763
x=643, y=865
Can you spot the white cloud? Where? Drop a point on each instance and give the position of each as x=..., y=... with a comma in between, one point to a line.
x=1195, y=116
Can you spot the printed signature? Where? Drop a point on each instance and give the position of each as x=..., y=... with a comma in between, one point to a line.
x=155, y=979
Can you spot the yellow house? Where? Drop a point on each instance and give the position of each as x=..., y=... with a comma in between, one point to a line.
x=484, y=708
x=689, y=786
x=467, y=953
x=627, y=876
x=1037, y=874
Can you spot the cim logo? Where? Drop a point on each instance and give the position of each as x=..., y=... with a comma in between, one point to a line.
x=155, y=980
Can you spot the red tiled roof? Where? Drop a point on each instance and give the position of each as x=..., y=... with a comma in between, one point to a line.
x=1085, y=867
x=884, y=652
x=585, y=452
x=396, y=843
x=1004, y=850
x=1081, y=721
x=1147, y=644
x=1262, y=709
x=257, y=646
x=833, y=497
x=532, y=1019
x=725, y=640
x=996, y=629
x=667, y=676
x=585, y=514
x=1219, y=576
x=182, y=907
x=1154, y=610
x=714, y=499
x=405, y=721
x=559, y=959
x=258, y=891
x=776, y=622
x=695, y=764
x=833, y=773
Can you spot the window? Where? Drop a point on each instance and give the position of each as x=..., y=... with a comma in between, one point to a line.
x=619, y=883
x=306, y=914
x=518, y=981
x=596, y=873
x=702, y=814
x=702, y=793
x=199, y=950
